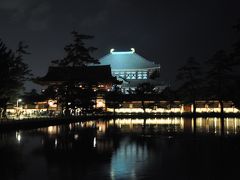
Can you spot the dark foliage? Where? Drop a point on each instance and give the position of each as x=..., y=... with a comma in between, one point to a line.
x=114, y=98
x=13, y=73
x=32, y=97
x=77, y=54
x=142, y=91
x=68, y=94
x=190, y=78
x=219, y=77
x=71, y=96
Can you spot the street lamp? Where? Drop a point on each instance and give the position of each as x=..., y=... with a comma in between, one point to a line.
x=17, y=110
x=19, y=100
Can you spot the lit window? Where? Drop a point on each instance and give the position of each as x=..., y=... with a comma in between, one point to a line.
x=133, y=75
x=144, y=75
x=139, y=75
x=121, y=74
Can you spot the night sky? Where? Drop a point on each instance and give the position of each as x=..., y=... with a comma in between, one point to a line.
x=165, y=31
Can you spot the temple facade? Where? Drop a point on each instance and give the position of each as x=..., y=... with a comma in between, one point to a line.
x=97, y=78
x=132, y=69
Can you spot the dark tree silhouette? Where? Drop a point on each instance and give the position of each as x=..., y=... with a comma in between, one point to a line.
x=13, y=73
x=219, y=77
x=236, y=45
x=142, y=91
x=32, y=97
x=85, y=99
x=69, y=94
x=50, y=92
x=155, y=74
x=190, y=77
x=77, y=54
x=169, y=95
x=72, y=97
x=235, y=55
x=114, y=98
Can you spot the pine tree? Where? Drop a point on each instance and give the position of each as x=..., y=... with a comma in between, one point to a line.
x=190, y=78
x=77, y=54
x=219, y=77
x=13, y=73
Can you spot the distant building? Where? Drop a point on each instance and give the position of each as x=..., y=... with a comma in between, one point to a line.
x=99, y=77
x=132, y=69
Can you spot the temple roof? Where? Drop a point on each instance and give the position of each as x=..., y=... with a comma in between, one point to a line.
x=126, y=60
x=85, y=74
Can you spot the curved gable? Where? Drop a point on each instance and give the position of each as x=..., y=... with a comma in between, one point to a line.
x=127, y=60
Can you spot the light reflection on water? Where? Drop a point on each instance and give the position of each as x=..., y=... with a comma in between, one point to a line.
x=204, y=126
x=123, y=149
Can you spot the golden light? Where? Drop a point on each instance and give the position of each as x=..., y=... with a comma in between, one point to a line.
x=100, y=103
x=52, y=103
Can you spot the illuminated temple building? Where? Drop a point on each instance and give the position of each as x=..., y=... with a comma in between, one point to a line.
x=98, y=78
x=132, y=69
x=126, y=69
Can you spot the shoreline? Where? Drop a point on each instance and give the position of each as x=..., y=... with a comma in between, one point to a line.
x=32, y=123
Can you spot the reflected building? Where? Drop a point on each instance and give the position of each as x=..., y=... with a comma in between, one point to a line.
x=102, y=137
x=203, y=126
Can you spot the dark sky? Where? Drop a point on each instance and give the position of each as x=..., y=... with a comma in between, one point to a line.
x=165, y=31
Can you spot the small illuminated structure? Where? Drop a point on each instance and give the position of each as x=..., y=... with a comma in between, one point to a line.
x=19, y=100
x=131, y=68
x=52, y=103
x=100, y=103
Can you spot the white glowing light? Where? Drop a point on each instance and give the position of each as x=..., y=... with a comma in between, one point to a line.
x=18, y=137
x=52, y=103
x=19, y=100
x=56, y=142
x=111, y=50
x=75, y=136
x=94, y=142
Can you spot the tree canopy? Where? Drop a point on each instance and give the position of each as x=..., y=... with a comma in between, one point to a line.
x=190, y=77
x=13, y=72
x=76, y=53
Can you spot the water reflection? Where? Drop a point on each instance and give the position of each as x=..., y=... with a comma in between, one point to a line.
x=203, y=126
x=172, y=148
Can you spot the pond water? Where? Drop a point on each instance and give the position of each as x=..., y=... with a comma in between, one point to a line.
x=173, y=148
